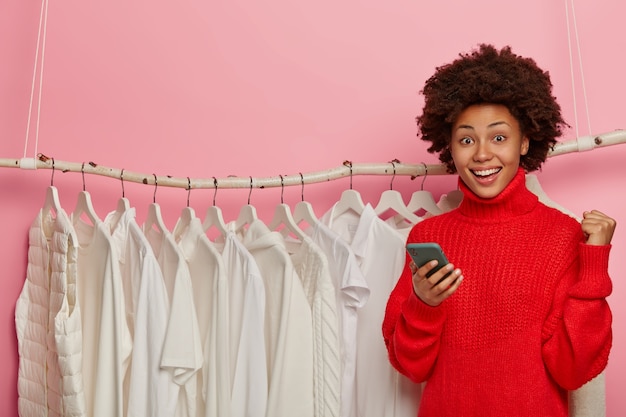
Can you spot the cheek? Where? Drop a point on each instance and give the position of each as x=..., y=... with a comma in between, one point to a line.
x=511, y=158
x=459, y=156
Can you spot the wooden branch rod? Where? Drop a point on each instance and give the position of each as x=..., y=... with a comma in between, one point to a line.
x=581, y=144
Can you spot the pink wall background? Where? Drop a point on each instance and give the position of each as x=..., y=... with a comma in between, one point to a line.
x=214, y=88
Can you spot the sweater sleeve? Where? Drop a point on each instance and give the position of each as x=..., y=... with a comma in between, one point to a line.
x=411, y=330
x=577, y=335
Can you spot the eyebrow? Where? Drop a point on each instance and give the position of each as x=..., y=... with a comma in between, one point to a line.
x=490, y=125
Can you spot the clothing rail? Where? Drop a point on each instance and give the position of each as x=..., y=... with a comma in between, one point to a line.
x=581, y=144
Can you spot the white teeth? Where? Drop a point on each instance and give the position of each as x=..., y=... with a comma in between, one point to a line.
x=486, y=172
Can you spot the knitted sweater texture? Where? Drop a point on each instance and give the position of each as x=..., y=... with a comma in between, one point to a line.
x=529, y=321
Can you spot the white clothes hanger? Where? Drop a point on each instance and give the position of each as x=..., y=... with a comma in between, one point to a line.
x=123, y=205
x=350, y=199
x=283, y=216
x=247, y=213
x=423, y=200
x=451, y=200
x=84, y=206
x=154, y=220
x=187, y=215
x=303, y=211
x=214, y=217
x=392, y=200
x=52, y=202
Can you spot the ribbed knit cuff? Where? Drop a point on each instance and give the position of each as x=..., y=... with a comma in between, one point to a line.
x=594, y=269
x=415, y=307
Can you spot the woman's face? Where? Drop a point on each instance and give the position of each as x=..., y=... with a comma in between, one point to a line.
x=486, y=146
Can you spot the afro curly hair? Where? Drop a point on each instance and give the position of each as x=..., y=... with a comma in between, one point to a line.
x=487, y=75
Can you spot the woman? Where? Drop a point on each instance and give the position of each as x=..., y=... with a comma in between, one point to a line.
x=523, y=317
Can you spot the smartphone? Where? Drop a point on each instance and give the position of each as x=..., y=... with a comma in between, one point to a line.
x=422, y=253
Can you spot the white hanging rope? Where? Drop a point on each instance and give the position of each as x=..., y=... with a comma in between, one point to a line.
x=41, y=38
x=43, y=54
x=580, y=63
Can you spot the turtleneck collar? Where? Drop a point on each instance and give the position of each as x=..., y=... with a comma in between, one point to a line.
x=514, y=200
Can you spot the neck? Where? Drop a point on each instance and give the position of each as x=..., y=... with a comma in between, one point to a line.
x=514, y=200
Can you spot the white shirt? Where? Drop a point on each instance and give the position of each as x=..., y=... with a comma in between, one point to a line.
x=146, y=386
x=288, y=326
x=210, y=292
x=351, y=293
x=380, y=390
x=106, y=338
x=312, y=267
x=182, y=349
x=246, y=340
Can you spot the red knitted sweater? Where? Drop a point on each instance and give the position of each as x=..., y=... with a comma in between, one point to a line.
x=529, y=322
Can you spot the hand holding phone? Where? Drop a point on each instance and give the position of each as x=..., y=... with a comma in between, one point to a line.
x=422, y=253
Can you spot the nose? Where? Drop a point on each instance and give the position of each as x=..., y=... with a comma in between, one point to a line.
x=482, y=151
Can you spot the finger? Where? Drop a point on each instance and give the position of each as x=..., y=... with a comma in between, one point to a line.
x=597, y=215
x=426, y=268
x=592, y=219
x=450, y=278
x=438, y=276
x=455, y=285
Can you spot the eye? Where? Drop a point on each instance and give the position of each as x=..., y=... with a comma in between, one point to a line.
x=466, y=140
x=499, y=138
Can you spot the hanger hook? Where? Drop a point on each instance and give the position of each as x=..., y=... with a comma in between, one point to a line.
x=215, y=192
x=82, y=170
x=282, y=188
x=349, y=164
x=302, y=183
x=52, y=177
x=250, y=193
x=156, y=185
x=393, y=164
x=425, y=175
x=44, y=158
x=188, y=190
x=122, y=180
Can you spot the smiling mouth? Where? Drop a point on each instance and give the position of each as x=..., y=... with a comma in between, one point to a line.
x=485, y=173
